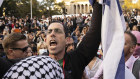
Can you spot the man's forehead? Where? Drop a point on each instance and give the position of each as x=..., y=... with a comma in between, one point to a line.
x=127, y=37
x=55, y=25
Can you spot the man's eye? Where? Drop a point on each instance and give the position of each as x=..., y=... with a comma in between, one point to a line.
x=58, y=31
x=49, y=31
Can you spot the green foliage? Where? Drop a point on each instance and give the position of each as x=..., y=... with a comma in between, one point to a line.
x=61, y=6
x=21, y=8
x=129, y=5
x=48, y=8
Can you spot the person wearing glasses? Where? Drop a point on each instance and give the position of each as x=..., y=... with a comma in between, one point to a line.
x=16, y=47
x=74, y=63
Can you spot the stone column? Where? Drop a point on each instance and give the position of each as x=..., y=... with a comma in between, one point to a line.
x=84, y=8
x=88, y=9
x=80, y=8
x=76, y=9
x=72, y=9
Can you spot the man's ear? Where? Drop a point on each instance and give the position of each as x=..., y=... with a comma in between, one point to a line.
x=10, y=52
x=132, y=49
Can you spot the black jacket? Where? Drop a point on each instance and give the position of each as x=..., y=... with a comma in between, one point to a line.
x=136, y=69
x=76, y=61
x=5, y=65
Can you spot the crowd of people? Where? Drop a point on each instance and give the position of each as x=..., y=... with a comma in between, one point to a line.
x=74, y=42
x=35, y=29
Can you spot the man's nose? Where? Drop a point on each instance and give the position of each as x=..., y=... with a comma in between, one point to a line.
x=52, y=33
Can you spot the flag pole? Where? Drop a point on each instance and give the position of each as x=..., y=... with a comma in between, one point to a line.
x=31, y=10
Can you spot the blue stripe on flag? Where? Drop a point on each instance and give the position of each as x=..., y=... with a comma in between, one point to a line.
x=106, y=2
x=92, y=2
x=121, y=68
x=120, y=10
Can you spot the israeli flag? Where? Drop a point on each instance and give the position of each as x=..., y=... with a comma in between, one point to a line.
x=113, y=26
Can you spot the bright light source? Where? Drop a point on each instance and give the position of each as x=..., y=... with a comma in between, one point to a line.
x=134, y=1
x=58, y=1
x=40, y=0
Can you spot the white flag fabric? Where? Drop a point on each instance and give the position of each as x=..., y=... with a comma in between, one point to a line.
x=128, y=74
x=113, y=26
x=1, y=1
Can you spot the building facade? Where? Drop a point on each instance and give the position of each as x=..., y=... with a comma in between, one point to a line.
x=79, y=6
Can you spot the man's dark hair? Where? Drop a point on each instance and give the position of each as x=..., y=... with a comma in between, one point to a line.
x=133, y=38
x=64, y=26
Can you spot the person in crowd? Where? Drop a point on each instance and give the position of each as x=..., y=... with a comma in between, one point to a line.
x=130, y=44
x=138, y=17
x=30, y=52
x=35, y=67
x=74, y=22
x=41, y=37
x=137, y=49
x=34, y=24
x=92, y=67
x=84, y=30
x=135, y=28
x=79, y=22
x=74, y=63
x=127, y=26
x=30, y=37
x=70, y=45
x=34, y=48
x=132, y=23
x=133, y=62
x=15, y=46
x=129, y=48
x=42, y=48
x=70, y=26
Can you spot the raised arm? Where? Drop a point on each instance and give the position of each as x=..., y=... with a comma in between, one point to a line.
x=88, y=47
x=90, y=43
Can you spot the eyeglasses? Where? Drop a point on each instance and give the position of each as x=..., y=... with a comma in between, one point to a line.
x=22, y=49
x=55, y=30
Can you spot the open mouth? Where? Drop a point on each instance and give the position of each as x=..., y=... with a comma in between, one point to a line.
x=53, y=43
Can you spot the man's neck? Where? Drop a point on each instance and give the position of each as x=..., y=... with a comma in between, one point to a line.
x=57, y=57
